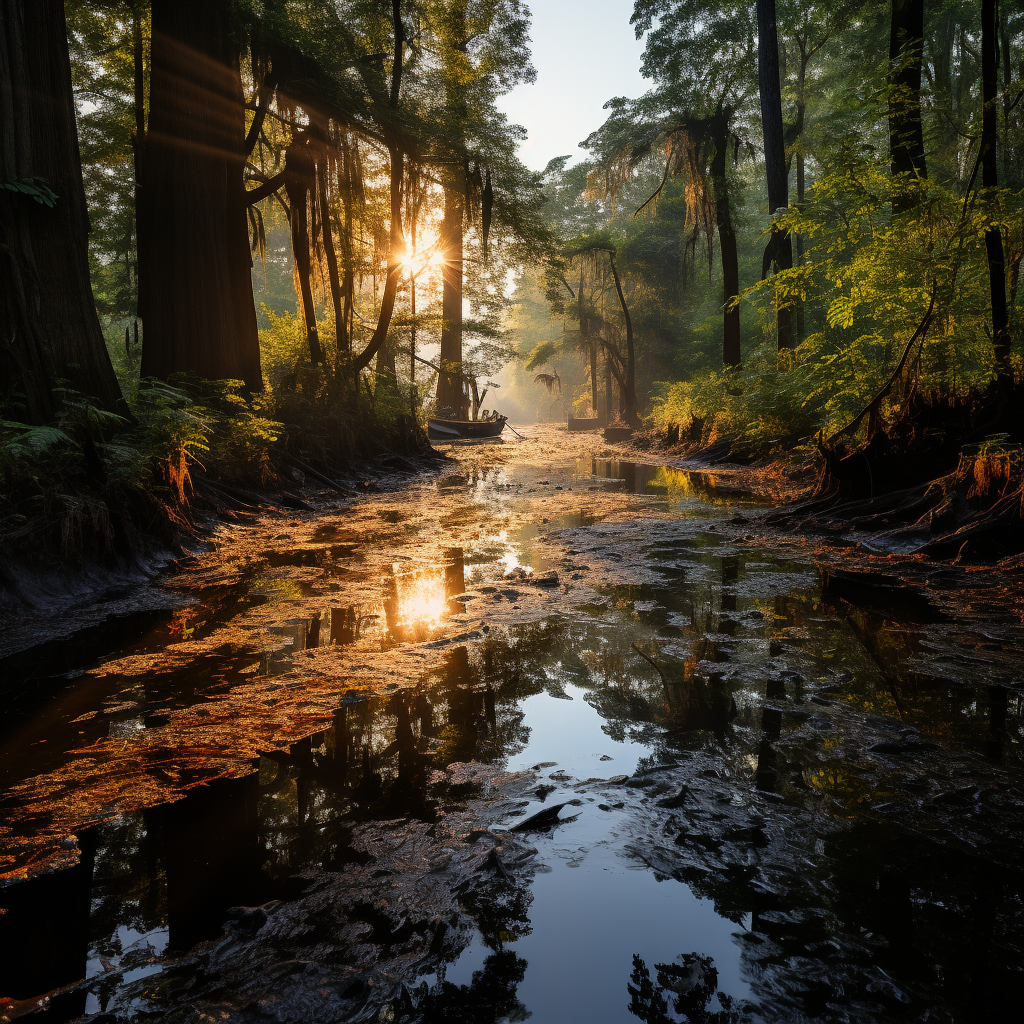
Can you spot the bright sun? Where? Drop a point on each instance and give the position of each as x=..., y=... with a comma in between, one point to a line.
x=428, y=254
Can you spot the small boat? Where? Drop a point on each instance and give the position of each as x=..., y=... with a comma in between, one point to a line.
x=439, y=429
x=617, y=433
x=583, y=423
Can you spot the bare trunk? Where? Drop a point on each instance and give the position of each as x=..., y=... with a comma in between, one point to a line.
x=780, y=247
x=630, y=412
x=396, y=241
x=451, y=397
x=49, y=331
x=800, y=188
x=194, y=261
x=990, y=179
x=299, y=182
x=906, y=132
x=608, y=396
x=727, y=243
x=337, y=298
x=139, y=135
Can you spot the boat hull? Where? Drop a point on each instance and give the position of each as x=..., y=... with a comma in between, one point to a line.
x=464, y=430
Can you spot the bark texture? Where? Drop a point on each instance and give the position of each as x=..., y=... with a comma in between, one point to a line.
x=990, y=179
x=194, y=261
x=726, y=241
x=630, y=408
x=451, y=396
x=906, y=132
x=49, y=330
x=780, y=247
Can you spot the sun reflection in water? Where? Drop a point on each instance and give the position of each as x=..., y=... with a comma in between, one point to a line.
x=422, y=598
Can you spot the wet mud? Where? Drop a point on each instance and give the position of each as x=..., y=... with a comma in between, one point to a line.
x=545, y=735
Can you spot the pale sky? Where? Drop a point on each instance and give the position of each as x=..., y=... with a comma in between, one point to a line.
x=585, y=53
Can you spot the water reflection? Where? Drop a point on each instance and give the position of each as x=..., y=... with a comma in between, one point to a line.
x=756, y=828
x=637, y=478
x=687, y=987
x=44, y=935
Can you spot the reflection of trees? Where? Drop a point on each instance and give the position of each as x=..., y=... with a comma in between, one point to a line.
x=490, y=997
x=687, y=986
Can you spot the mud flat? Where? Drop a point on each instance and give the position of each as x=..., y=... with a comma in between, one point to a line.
x=545, y=735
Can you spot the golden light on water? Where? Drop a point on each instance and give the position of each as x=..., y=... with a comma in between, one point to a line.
x=422, y=598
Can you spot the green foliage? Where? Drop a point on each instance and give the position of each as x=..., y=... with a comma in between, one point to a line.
x=765, y=407
x=542, y=353
x=34, y=188
x=863, y=278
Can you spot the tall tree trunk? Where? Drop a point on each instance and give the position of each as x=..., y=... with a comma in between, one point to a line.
x=801, y=114
x=800, y=189
x=337, y=298
x=194, y=261
x=49, y=330
x=990, y=179
x=396, y=242
x=451, y=397
x=300, y=185
x=608, y=396
x=396, y=245
x=630, y=412
x=906, y=132
x=726, y=241
x=345, y=182
x=780, y=246
x=591, y=342
x=1008, y=103
x=139, y=134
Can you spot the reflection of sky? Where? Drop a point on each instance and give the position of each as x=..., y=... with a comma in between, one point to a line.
x=596, y=908
x=570, y=733
x=588, y=921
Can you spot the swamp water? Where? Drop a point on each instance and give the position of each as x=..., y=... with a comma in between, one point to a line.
x=655, y=768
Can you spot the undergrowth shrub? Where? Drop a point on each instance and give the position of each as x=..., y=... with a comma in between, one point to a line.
x=329, y=418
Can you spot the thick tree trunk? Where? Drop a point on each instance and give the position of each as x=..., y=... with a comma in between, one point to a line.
x=727, y=243
x=194, y=260
x=990, y=179
x=49, y=331
x=906, y=133
x=451, y=397
x=780, y=247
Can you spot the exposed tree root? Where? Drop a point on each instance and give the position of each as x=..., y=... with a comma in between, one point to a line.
x=914, y=486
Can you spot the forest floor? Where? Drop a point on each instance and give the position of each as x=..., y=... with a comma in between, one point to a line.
x=379, y=688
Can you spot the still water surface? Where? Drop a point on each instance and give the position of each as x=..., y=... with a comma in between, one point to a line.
x=788, y=795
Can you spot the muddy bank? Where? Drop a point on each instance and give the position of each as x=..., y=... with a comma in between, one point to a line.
x=45, y=598
x=547, y=716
